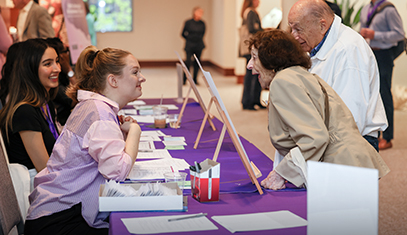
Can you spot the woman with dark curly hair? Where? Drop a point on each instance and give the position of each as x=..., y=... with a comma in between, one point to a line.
x=307, y=119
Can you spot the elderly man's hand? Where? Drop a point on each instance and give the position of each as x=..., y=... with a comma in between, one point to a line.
x=273, y=181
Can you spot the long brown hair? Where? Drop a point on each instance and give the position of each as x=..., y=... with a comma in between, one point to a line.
x=246, y=4
x=24, y=82
x=93, y=67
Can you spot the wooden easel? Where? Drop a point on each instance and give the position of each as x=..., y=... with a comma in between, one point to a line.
x=198, y=96
x=227, y=125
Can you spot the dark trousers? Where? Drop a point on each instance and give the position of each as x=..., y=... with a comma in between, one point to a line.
x=251, y=88
x=373, y=141
x=69, y=221
x=190, y=54
x=385, y=63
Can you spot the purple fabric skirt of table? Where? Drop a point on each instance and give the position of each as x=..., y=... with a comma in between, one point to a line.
x=237, y=193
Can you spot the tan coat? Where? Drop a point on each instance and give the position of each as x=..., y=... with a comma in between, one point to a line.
x=297, y=118
x=38, y=23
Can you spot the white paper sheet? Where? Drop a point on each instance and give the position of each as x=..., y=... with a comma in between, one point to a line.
x=143, y=119
x=137, y=102
x=169, y=106
x=174, y=143
x=155, y=169
x=160, y=224
x=342, y=199
x=129, y=111
x=260, y=221
x=146, y=145
x=152, y=133
x=149, y=138
x=174, y=138
x=157, y=153
x=144, y=172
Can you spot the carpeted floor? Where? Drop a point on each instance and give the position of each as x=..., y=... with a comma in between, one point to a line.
x=253, y=126
x=393, y=187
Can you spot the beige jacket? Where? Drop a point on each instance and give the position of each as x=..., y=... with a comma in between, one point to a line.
x=297, y=118
x=38, y=23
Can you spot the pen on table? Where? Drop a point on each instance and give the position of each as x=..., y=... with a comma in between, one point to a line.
x=188, y=217
x=197, y=167
x=192, y=168
x=210, y=184
x=145, y=151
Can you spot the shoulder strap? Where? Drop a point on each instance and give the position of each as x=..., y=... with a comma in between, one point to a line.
x=379, y=9
x=384, y=5
x=326, y=112
x=326, y=106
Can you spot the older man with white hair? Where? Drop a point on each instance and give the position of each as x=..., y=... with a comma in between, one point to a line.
x=342, y=58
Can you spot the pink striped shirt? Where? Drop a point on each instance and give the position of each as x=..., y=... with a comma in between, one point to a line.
x=89, y=150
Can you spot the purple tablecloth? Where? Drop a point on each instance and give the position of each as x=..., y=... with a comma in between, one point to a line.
x=238, y=194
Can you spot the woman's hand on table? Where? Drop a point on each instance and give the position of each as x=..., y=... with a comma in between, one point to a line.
x=273, y=181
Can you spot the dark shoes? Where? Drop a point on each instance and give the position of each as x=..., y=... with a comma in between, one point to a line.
x=261, y=106
x=249, y=108
x=384, y=144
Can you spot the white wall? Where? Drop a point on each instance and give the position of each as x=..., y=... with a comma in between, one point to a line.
x=400, y=68
x=157, y=26
x=221, y=43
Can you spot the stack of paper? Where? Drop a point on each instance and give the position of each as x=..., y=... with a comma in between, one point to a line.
x=174, y=143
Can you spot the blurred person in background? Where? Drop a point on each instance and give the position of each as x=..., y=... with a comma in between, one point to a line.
x=193, y=32
x=250, y=25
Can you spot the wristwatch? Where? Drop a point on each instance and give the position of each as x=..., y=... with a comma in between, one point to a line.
x=70, y=74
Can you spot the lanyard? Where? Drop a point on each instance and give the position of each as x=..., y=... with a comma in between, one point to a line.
x=50, y=122
x=372, y=9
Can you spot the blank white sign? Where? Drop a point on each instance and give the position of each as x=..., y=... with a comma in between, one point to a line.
x=342, y=199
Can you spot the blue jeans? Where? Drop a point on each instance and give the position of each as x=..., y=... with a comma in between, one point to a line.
x=373, y=141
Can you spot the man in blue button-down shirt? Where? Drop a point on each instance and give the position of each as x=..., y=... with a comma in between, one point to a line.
x=383, y=30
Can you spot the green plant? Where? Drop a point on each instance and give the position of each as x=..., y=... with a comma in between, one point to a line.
x=347, y=11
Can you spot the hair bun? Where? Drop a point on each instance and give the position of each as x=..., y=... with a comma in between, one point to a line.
x=92, y=57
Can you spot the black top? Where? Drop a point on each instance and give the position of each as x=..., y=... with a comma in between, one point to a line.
x=28, y=118
x=253, y=22
x=62, y=102
x=335, y=8
x=193, y=33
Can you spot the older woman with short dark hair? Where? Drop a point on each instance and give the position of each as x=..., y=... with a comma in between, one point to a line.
x=307, y=119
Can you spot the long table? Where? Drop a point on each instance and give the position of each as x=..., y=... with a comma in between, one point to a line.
x=237, y=193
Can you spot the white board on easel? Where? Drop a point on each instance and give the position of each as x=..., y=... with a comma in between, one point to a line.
x=197, y=95
x=227, y=125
